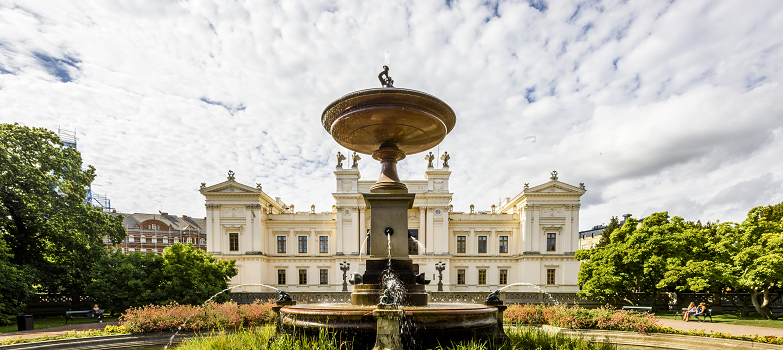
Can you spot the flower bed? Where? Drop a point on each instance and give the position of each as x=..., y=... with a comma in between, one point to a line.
x=576, y=317
x=230, y=315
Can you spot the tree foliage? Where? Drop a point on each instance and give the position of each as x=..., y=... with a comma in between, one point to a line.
x=182, y=274
x=672, y=255
x=614, y=224
x=15, y=288
x=51, y=233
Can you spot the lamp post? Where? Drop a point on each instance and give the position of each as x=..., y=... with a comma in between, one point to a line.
x=440, y=267
x=344, y=266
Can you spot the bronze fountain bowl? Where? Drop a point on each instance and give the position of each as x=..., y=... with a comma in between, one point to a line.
x=411, y=120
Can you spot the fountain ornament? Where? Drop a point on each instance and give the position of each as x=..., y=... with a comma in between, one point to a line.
x=389, y=123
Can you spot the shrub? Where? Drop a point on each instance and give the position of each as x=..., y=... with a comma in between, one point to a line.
x=576, y=317
x=229, y=315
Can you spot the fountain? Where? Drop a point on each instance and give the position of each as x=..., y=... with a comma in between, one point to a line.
x=390, y=123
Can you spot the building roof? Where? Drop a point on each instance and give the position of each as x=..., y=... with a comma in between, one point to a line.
x=172, y=221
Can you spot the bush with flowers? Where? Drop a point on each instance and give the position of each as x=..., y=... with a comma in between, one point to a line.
x=575, y=317
x=212, y=315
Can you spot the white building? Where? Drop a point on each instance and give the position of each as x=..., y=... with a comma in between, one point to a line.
x=529, y=238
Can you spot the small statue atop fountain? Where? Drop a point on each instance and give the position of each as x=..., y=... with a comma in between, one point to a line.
x=445, y=158
x=387, y=81
x=494, y=296
x=387, y=298
x=284, y=296
x=355, y=158
x=340, y=159
x=429, y=158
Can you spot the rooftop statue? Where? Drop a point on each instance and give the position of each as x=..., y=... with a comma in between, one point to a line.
x=355, y=158
x=429, y=158
x=445, y=158
x=387, y=81
x=340, y=159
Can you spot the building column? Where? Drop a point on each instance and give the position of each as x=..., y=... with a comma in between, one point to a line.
x=442, y=242
x=210, y=229
x=292, y=246
x=339, y=232
x=492, y=243
x=430, y=245
x=566, y=233
x=355, y=230
x=472, y=244
x=312, y=245
x=362, y=228
x=422, y=228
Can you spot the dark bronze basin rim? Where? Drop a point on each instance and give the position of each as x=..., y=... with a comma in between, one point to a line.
x=449, y=117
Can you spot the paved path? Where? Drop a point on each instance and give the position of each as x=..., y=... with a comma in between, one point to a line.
x=53, y=331
x=732, y=329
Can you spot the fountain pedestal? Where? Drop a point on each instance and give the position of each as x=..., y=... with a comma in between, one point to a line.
x=500, y=334
x=276, y=309
x=388, y=328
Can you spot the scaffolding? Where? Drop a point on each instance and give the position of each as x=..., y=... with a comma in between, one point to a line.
x=68, y=138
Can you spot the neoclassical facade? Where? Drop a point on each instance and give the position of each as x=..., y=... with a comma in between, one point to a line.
x=529, y=238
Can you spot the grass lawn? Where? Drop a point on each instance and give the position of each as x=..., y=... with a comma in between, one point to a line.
x=732, y=318
x=42, y=322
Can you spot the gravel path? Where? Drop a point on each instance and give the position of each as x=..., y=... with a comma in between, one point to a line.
x=732, y=329
x=53, y=331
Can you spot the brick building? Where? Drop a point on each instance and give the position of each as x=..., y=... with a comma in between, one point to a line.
x=153, y=232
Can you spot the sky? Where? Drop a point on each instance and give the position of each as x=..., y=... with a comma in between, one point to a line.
x=655, y=105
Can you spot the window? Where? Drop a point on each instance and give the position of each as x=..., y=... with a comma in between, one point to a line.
x=190, y=240
x=280, y=276
x=503, y=246
x=550, y=242
x=461, y=276
x=176, y=239
x=461, y=244
x=165, y=240
x=323, y=244
x=302, y=276
x=482, y=244
x=413, y=248
x=143, y=250
x=503, y=276
x=324, y=276
x=482, y=276
x=131, y=239
x=131, y=249
x=202, y=241
x=550, y=276
x=281, y=244
x=302, y=244
x=233, y=242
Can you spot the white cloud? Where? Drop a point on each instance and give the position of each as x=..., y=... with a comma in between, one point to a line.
x=654, y=105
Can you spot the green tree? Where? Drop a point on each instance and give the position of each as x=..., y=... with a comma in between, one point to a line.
x=636, y=259
x=758, y=260
x=15, y=289
x=121, y=281
x=191, y=276
x=51, y=233
x=614, y=224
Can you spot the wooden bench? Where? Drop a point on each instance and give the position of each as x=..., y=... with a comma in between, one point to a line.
x=707, y=313
x=638, y=309
x=70, y=315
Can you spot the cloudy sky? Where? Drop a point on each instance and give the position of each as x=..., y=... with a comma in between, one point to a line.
x=655, y=105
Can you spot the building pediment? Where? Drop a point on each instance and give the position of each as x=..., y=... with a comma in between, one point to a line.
x=555, y=187
x=229, y=187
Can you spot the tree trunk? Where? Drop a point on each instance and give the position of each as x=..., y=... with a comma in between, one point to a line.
x=762, y=307
x=744, y=310
x=654, y=299
x=717, y=308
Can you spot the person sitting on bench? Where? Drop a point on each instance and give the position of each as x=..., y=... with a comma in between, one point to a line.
x=97, y=312
x=701, y=311
x=690, y=312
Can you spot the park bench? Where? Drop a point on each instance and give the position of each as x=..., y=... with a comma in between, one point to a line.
x=70, y=315
x=707, y=313
x=638, y=309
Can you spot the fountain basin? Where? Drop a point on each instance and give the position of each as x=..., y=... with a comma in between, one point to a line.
x=423, y=327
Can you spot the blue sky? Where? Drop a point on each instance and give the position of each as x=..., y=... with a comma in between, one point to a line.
x=654, y=105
